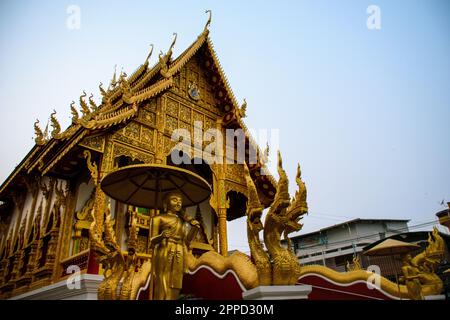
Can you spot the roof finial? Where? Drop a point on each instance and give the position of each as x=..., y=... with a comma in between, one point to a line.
x=114, y=80
x=209, y=20
x=75, y=114
x=84, y=107
x=165, y=59
x=150, y=53
x=55, y=124
x=169, y=53
x=102, y=91
x=39, y=139
x=94, y=106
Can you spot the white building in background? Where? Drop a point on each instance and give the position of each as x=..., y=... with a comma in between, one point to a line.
x=335, y=245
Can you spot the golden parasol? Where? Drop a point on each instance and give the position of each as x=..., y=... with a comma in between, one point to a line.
x=144, y=185
x=391, y=247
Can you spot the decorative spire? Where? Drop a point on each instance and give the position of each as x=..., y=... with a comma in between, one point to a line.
x=169, y=53
x=39, y=139
x=84, y=107
x=46, y=133
x=164, y=59
x=55, y=124
x=102, y=91
x=105, y=94
x=149, y=54
x=125, y=85
x=208, y=22
x=113, y=80
x=75, y=115
x=94, y=107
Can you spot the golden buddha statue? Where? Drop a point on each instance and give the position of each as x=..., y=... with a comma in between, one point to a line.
x=169, y=247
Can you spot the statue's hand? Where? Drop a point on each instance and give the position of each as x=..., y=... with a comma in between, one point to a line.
x=195, y=223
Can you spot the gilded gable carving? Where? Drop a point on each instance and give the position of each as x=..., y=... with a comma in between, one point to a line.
x=133, y=130
x=96, y=143
x=150, y=106
x=121, y=150
x=235, y=172
x=147, y=117
x=168, y=145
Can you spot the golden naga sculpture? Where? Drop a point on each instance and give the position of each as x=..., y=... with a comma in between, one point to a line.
x=254, y=226
x=419, y=272
x=280, y=266
x=116, y=266
x=419, y=278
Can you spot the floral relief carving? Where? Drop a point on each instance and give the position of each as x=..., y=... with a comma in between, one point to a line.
x=171, y=124
x=185, y=113
x=172, y=107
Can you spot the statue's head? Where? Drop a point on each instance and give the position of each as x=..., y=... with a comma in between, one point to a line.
x=173, y=201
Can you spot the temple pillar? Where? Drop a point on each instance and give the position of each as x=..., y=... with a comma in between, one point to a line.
x=223, y=231
x=221, y=192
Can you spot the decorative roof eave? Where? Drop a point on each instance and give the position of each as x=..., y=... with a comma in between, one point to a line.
x=68, y=133
x=150, y=92
x=49, y=146
x=69, y=147
x=105, y=121
x=141, y=70
x=19, y=168
x=147, y=77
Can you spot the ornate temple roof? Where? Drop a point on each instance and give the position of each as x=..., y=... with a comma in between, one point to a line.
x=121, y=102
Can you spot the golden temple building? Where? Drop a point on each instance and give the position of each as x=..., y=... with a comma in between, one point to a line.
x=73, y=217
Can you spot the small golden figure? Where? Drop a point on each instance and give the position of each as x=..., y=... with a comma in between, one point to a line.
x=170, y=247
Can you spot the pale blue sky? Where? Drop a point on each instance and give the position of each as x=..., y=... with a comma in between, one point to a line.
x=365, y=112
